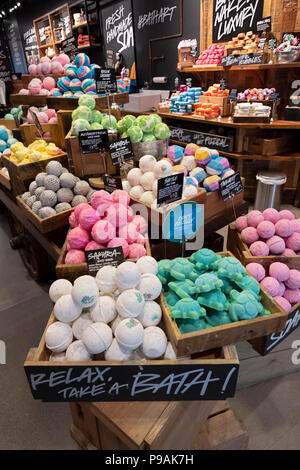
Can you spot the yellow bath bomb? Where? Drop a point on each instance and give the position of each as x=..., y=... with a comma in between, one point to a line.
x=52, y=149
x=21, y=154
x=13, y=159
x=25, y=161
x=34, y=155
x=39, y=145
x=17, y=146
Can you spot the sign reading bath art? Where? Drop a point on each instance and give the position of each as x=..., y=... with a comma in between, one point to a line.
x=276, y=338
x=96, y=259
x=202, y=139
x=169, y=189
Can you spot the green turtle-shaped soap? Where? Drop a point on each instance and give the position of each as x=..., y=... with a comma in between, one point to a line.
x=214, y=299
x=249, y=283
x=183, y=289
x=244, y=306
x=187, y=308
x=206, y=283
x=217, y=319
x=231, y=268
x=189, y=326
x=171, y=299
x=182, y=268
x=163, y=273
x=227, y=285
x=203, y=259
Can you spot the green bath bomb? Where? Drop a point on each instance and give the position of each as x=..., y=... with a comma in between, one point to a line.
x=147, y=124
x=129, y=121
x=96, y=125
x=109, y=121
x=87, y=100
x=149, y=138
x=161, y=131
x=82, y=112
x=80, y=125
x=135, y=133
x=96, y=115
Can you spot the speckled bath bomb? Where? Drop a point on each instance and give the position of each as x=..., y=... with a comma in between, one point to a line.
x=292, y=295
x=284, y=304
x=271, y=285
x=276, y=245
x=285, y=214
x=284, y=228
x=46, y=212
x=254, y=218
x=289, y=252
x=78, y=200
x=272, y=215
x=293, y=242
x=282, y=289
x=259, y=249
x=279, y=271
x=81, y=188
x=266, y=229
x=48, y=198
x=75, y=257
x=64, y=195
x=249, y=235
x=256, y=270
x=296, y=225
x=241, y=223
x=294, y=279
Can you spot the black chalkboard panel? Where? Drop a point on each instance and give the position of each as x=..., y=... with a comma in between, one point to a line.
x=96, y=259
x=15, y=45
x=231, y=186
x=5, y=65
x=202, y=139
x=242, y=59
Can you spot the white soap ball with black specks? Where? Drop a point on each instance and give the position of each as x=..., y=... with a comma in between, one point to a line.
x=64, y=195
x=154, y=342
x=66, y=309
x=81, y=324
x=147, y=264
x=30, y=201
x=54, y=168
x=151, y=314
x=77, y=352
x=78, y=200
x=82, y=188
x=62, y=206
x=48, y=198
x=104, y=309
x=51, y=182
x=67, y=180
x=40, y=179
x=39, y=190
x=25, y=196
x=58, y=357
x=32, y=187
x=116, y=352
x=46, y=211
x=59, y=288
x=58, y=336
x=97, y=337
x=85, y=291
x=89, y=194
x=36, y=206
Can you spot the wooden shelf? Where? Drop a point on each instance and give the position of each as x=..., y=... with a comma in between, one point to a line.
x=88, y=47
x=84, y=23
x=218, y=68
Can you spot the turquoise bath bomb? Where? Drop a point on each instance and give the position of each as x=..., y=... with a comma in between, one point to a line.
x=68, y=94
x=3, y=133
x=71, y=71
x=135, y=133
x=2, y=145
x=161, y=131
x=87, y=100
x=80, y=125
x=82, y=112
x=75, y=85
x=109, y=122
x=96, y=116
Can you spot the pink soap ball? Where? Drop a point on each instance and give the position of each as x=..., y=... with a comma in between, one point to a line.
x=294, y=280
x=34, y=88
x=32, y=69
x=53, y=91
x=279, y=271
x=88, y=218
x=292, y=295
x=276, y=245
x=136, y=251
x=39, y=69
x=47, y=135
x=286, y=214
x=103, y=231
x=53, y=120
x=141, y=223
x=42, y=117
x=45, y=59
x=46, y=68
x=78, y=238
x=293, y=242
x=49, y=83
x=271, y=285
x=284, y=228
x=79, y=208
x=119, y=215
x=51, y=113
x=92, y=245
x=121, y=196
x=283, y=303
x=73, y=222
x=241, y=223
x=266, y=229
x=75, y=257
x=254, y=218
x=259, y=249
x=64, y=59
x=101, y=200
x=56, y=68
x=249, y=235
x=256, y=270
x=119, y=242
x=44, y=92
x=129, y=231
x=272, y=215
x=141, y=239
x=282, y=289
x=296, y=225
x=24, y=91
x=288, y=252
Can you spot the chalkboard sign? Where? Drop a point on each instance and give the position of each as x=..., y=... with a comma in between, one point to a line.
x=230, y=60
x=96, y=259
x=69, y=46
x=233, y=17
x=264, y=25
x=261, y=44
x=272, y=44
x=202, y=139
x=242, y=59
x=231, y=186
x=169, y=189
x=111, y=183
x=170, y=382
x=93, y=141
x=5, y=65
x=233, y=94
x=275, y=96
x=276, y=338
x=106, y=80
x=121, y=151
x=223, y=84
x=15, y=45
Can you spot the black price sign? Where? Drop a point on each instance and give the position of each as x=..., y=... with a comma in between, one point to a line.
x=69, y=46
x=106, y=80
x=274, y=97
x=231, y=186
x=261, y=44
x=111, y=183
x=93, y=141
x=169, y=189
x=264, y=25
x=222, y=84
x=233, y=95
x=272, y=44
x=121, y=151
x=36, y=122
x=96, y=259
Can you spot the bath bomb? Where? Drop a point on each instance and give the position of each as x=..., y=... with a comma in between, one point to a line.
x=276, y=245
x=103, y=231
x=49, y=83
x=78, y=238
x=135, y=133
x=79, y=208
x=189, y=162
x=118, y=215
x=293, y=242
x=254, y=218
x=58, y=288
x=286, y=214
x=294, y=280
x=136, y=192
x=80, y=125
x=280, y=272
x=189, y=191
x=88, y=85
x=150, y=286
x=170, y=354
x=271, y=285
x=81, y=188
x=292, y=295
x=249, y=235
x=104, y=309
x=266, y=229
x=92, y=245
x=82, y=59
x=130, y=303
x=141, y=223
x=191, y=149
x=58, y=357
x=162, y=168
x=147, y=264
x=75, y=85
x=136, y=250
x=63, y=83
x=147, y=163
x=241, y=223
x=88, y=218
x=151, y=314
x=81, y=324
x=130, y=333
x=289, y=252
x=130, y=232
x=127, y=275
x=64, y=195
x=284, y=304
x=105, y=279
x=154, y=343
x=126, y=186
x=147, y=197
x=66, y=309
x=71, y=71
x=90, y=102
x=57, y=68
x=53, y=168
x=121, y=197
x=75, y=257
x=259, y=249
x=85, y=291
x=97, y=337
x=134, y=176
x=115, y=322
x=101, y=200
x=199, y=174
x=272, y=215
x=256, y=270
x=77, y=352
x=58, y=337
x=116, y=352
x=282, y=289
x=119, y=242
x=147, y=180
x=284, y=228
x=32, y=69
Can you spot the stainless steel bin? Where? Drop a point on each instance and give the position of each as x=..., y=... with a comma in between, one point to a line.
x=268, y=191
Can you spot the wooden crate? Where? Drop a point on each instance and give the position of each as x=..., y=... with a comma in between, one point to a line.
x=72, y=103
x=26, y=78
x=29, y=133
x=231, y=333
x=223, y=102
x=4, y=179
x=8, y=123
x=73, y=271
x=269, y=147
x=241, y=251
x=215, y=206
x=29, y=100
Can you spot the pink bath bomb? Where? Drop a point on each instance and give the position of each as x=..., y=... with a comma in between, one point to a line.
x=130, y=232
x=279, y=271
x=141, y=239
x=276, y=245
x=51, y=113
x=254, y=218
x=56, y=68
x=101, y=200
x=79, y=208
x=272, y=215
x=285, y=214
x=103, y=231
x=75, y=257
x=293, y=242
x=39, y=69
x=288, y=252
x=119, y=215
x=24, y=91
x=45, y=59
x=121, y=196
x=53, y=91
x=249, y=235
x=78, y=238
x=136, y=251
x=283, y=303
x=73, y=222
x=42, y=117
x=119, y=242
x=49, y=83
x=296, y=225
x=32, y=69
x=34, y=88
x=92, y=245
x=88, y=218
x=294, y=280
x=284, y=228
x=141, y=223
x=271, y=285
x=259, y=249
x=46, y=68
x=292, y=295
x=44, y=92
x=256, y=270
x=282, y=289
x=241, y=223
x=64, y=59
x=266, y=229
x=53, y=120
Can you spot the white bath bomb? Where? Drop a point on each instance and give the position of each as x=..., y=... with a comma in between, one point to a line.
x=189, y=162
x=189, y=190
x=58, y=288
x=116, y=352
x=77, y=352
x=115, y=323
x=105, y=279
x=147, y=163
x=97, y=337
x=81, y=324
x=58, y=337
x=151, y=314
x=130, y=303
x=147, y=264
x=154, y=188
x=127, y=275
x=130, y=333
x=104, y=309
x=170, y=354
x=154, y=343
x=85, y=291
x=134, y=176
x=138, y=355
x=147, y=198
x=162, y=168
x=147, y=180
x=136, y=191
x=150, y=286
x=66, y=309
x=126, y=186
x=58, y=357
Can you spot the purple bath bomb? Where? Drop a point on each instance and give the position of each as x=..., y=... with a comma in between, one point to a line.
x=272, y=215
x=284, y=228
x=283, y=303
x=282, y=289
x=271, y=285
x=259, y=249
x=289, y=252
x=279, y=271
x=296, y=225
x=254, y=218
x=266, y=229
x=293, y=242
x=285, y=214
x=276, y=245
x=256, y=270
x=241, y=223
x=294, y=280
x=249, y=235
x=292, y=295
